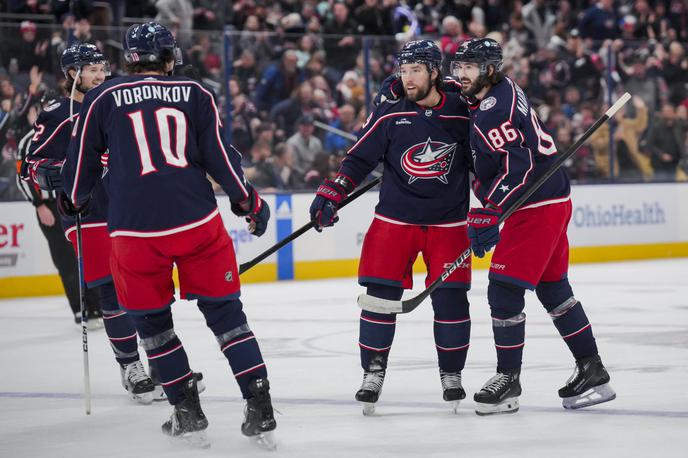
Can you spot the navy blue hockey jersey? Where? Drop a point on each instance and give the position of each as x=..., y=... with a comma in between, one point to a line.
x=425, y=156
x=511, y=149
x=51, y=140
x=163, y=133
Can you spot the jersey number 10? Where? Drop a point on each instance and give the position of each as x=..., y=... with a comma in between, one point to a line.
x=175, y=157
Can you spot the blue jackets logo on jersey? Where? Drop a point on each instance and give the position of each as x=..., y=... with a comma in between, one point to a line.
x=428, y=160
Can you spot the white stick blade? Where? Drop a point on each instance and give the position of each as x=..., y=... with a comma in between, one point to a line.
x=377, y=305
x=618, y=104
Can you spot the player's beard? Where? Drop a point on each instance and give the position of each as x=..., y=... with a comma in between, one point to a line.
x=471, y=90
x=420, y=94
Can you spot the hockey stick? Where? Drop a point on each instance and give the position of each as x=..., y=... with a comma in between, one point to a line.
x=84, y=320
x=303, y=229
x=376, y=304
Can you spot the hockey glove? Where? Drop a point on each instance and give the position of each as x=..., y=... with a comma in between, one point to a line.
x=47, y=174
x=256, y=211
x=390, y=90
x=483, y=229
x=68, y=209
x=327, y=199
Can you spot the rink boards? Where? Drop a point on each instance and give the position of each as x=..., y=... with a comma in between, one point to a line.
x=609, y=223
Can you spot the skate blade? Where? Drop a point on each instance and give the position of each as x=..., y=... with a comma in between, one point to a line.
x=159, y=394
x=368, y=408
x=195, y=439
x=454, y=406
x=265, y=440
x=595, y=395
x=143, y=398
x=509, y=405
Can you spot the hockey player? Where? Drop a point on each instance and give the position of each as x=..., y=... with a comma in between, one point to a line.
x=85, y=68
x=422, y=140
x=511, y=150
x=163, y=135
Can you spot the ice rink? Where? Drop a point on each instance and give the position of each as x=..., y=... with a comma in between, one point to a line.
x=308, y=333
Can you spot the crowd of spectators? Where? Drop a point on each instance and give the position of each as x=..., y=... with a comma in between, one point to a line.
x=303, y=72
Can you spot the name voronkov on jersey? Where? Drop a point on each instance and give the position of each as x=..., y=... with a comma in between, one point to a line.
x=619, y=215
x=138, y=94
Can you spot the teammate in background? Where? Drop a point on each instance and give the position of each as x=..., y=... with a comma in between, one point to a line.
x=422, y=140
x=85, y=68
x=163, y=135
x=61, y=251
x=510, y=151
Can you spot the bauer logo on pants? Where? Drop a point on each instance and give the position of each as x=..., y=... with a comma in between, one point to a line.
x=428, y=160
x=228, y=276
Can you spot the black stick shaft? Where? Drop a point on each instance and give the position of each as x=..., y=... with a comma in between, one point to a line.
x=303, y=229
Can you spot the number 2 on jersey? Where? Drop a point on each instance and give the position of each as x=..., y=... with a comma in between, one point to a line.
x=163, y=116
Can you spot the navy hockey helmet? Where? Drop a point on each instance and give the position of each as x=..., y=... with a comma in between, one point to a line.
x=422, y=52
x=80, y=54
x=483, y=51
x=150, y=42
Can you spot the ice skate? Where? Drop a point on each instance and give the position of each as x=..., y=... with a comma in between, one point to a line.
x=453, y=392
x=370, y=390
x=259, y=418
x=499, y=394
x=588, y=385
x=188, y=422
x=137, y=383
x=159, y=393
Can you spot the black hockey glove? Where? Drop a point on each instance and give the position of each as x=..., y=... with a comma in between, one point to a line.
x=483, y=229
x=327, y=199
x=67, y=208
x=391, y=90
x=47, y=174
x=256, y=211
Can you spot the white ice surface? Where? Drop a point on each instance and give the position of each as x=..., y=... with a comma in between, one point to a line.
x=308, y=334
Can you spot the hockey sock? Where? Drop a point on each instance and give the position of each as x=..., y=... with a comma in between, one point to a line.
x=568, y=316
x=228, y=322
x=376, y=330
x=165, y=350
x=118, y=326
x=452, y=328
x=508, y=323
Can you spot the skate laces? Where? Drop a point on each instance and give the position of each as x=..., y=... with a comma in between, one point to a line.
x=135, y=373
x=372, y=381
x=496, y=383
x=450, y=380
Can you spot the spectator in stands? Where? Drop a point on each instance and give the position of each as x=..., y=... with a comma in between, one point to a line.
x=257, y=169
x=630, y=164
x=282, y=162
x=585, y=66
x=254, y=38
x=205, y=14
x=452, y=37
x=599, y=22
x=27, y=50
x=278, y=81
x=341, y=52
x=306, y=145
x=285, y=112
x=667, y=143
x=176, y=15
x=539, y=18
x=371, y=19
x=346, y=121
x=675, y=72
